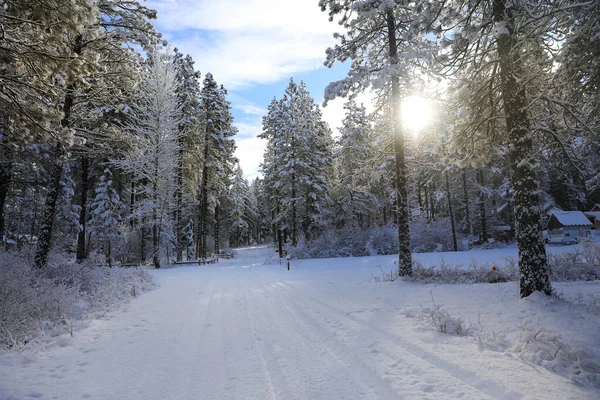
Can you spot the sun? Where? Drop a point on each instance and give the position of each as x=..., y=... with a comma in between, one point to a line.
x=416, y=113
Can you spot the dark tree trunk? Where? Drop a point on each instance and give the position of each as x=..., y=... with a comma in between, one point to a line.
x=482, y=210
x=427, y=211
x=45, y=235
x=432, y=200
x=532, y=253
x=132, y=202
x=143, y=241
x=155, y=222
x=216, y=233
x=6, y=165
x=180, y=240
x=85, y=185
x=294, y=227
x=451, y=212
x=203, y=212
x=404, y=252
x=469, y=228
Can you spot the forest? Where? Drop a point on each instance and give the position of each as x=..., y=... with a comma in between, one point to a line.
x=114, y=146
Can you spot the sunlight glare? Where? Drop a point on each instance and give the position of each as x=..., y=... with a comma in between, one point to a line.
x=416, y=113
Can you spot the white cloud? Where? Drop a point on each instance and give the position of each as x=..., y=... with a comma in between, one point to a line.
x=248, y=42
x=251, y=109
x=250, y=153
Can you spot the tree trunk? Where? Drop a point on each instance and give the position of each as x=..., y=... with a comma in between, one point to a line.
x=294, y=227
x=6, y=164
x=427, y=212
x=155, y=222
x=45, y=235
x=180, y=240
x=203, y=217
x=143, y=241
x=466, y=201
x=404, y=252
x=451, y=212
x=216, y=233
x=482, y=212
x=528, y=223
x=432, y=200
x=85, y=183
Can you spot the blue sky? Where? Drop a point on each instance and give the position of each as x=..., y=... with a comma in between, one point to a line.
x=253, y=48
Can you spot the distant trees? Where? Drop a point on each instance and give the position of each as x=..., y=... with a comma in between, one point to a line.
x=99, y=142
x=297, y=165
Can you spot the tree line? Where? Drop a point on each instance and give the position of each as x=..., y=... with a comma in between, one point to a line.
x=109, y=137
x=516, y=129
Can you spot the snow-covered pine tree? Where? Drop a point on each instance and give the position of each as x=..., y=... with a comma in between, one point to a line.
x=106, y=211
x=152, y=156
x=501, y=44
x=188, y=97
x=355, y=155
x=218, y=160
x=298, y=163
x=382, y=40
x=94, y=57
x=239, y=213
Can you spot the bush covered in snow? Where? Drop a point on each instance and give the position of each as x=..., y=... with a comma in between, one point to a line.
x=348, y=242
x=457, y=274
x=427, y=237
x=543, y=347
x=381, y=240
x=582, y=264
x=39, y=304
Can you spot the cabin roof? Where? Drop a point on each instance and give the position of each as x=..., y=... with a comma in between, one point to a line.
x=571, y=218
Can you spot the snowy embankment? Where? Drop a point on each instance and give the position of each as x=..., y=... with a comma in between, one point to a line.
x=324, y=330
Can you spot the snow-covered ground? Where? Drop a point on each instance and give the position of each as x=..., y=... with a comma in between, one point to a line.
x=241, y=329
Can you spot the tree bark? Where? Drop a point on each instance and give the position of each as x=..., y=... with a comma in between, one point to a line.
x=6, y=165
x=216, y=233
x=85, y=181
x=528, y=223
x=45, y=235
x=466, y=201
x=180, y=240
x=404, y=251
x=203, y=211
x=451, y=212
x=482, y=212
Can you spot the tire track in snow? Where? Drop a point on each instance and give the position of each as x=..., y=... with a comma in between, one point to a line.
x=469, y=378
x=275, y=381
x=194, y=372
x=371, y=386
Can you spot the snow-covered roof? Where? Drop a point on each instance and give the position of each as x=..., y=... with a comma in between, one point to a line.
x=571, y=218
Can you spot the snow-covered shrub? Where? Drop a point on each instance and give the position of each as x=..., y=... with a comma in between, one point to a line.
x=457, y=274
x=383, y=240
x=38, y=304
x=543, y=347
x=427, y=237
x=583, y=264
x=442, y=320
x=347, y=242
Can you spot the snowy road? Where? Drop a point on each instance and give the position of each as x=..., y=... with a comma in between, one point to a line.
x=243, y=330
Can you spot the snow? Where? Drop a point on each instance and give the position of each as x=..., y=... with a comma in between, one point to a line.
x=243, y=329
x=572, y=218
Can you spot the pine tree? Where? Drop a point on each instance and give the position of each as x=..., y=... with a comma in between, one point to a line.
x=384, y=51
x=218, y=160
x=152, y=156
x=106, y=210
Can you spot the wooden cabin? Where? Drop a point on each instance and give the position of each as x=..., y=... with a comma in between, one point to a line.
x=567, y=227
